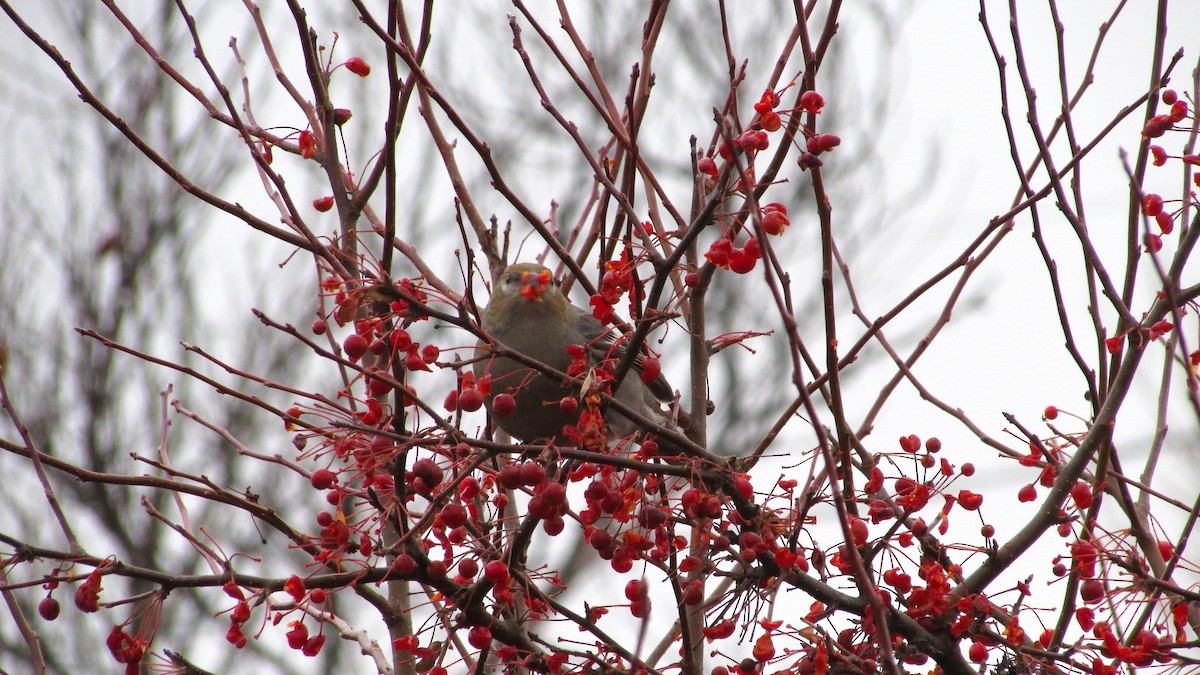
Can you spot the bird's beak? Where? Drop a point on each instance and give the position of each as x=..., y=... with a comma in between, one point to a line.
x=534, y=285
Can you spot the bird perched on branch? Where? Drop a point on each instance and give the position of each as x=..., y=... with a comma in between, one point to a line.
x=529, y=314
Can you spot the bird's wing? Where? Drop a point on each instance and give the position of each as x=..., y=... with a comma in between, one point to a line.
x=603, y=344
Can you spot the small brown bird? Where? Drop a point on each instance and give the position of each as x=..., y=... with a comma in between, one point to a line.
x=529, y=314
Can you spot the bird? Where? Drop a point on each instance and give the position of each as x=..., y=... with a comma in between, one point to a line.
x=529, y=314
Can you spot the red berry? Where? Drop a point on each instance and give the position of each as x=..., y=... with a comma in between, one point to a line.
x=470, y=400
x=355, y=346
x=240, y=613
x=427, y=472
x=752, y=248
x=404, y=565
x=1157, y=126
x=1084, y=554
x=323, y=479
x=812, y=102
x=341, y=116
x=1091, y=591
x=600, y=540
x=87, y=596
x=509, y=477
x=504, y=405
x=718, y=254
x=1166, y=224
x=496, y=572
x=554, y=525
x=767, y=103
x=822, y=143
x=707, y=166
x=234, y=636
x=532, y=474
x=1169, y=96
x=378, y=386
x=1153, y=243
x=319, y=327
x=1049, y=474
x=468, y=489
x=358, y=66
x=400, y=340
x=649, y=447
x=652, y=517
x=970, y=501
x=740, y=261
x=774, y=222
x=1179, y=110
x=454, y=515
x=742, y=485
x=1152, y=204
x=635, y=589
x=430, y=353
x=1027, y=493
x=1050, y=412
x=808, y=160
x=468, y=568
x=479, y=636
x=297, y=636
x=314, y=644
x=1081, y=493
x=48, y=608
x=323, y=204
x=651, y=369
x=858, y=530
x=308, y=144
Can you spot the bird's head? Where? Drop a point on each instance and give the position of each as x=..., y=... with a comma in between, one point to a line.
x=526, y=292
x=530, y=281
